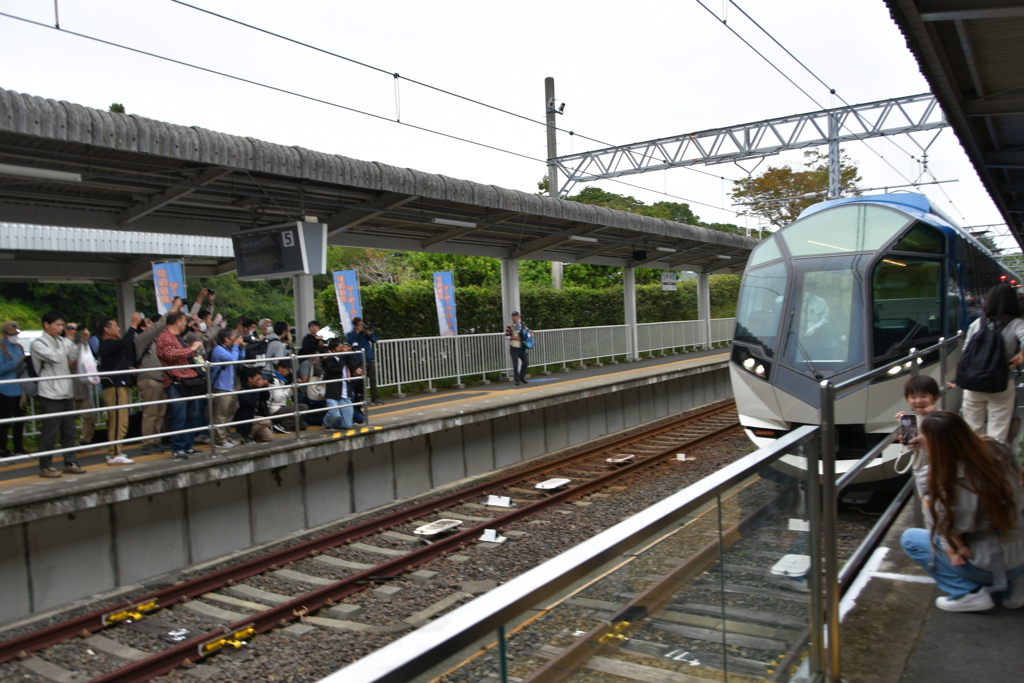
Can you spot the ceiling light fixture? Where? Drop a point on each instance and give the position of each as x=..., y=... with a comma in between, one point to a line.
x=452, y=222
x=581, y=238
x=39, y=173
x=666, y=250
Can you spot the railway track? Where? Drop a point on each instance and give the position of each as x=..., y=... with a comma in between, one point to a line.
x=319, y=583
x=704, y=601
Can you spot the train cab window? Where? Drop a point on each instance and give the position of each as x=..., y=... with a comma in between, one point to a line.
x=906, y=306
x=767, y=251
x=823, y=333
x=844, y=229
x=759, y=309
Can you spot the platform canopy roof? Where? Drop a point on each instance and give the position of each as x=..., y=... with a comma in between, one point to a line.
x=63, y=164
x=972, y=54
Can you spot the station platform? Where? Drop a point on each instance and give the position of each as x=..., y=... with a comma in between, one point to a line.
x=892, y=632
x=125, y=526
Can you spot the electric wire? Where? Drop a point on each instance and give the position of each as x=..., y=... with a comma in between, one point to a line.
x=318, y=100
x=397, y=76
x=832, y=91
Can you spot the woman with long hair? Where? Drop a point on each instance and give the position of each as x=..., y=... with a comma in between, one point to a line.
x=991, y=413
x=976, y=546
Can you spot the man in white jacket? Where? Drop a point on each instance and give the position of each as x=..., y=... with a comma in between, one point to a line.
x=52, y=356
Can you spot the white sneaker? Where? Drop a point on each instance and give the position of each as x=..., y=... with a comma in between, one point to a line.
x=978, y=601
x=119, y=460
x=1015, y=598
x=226, y=444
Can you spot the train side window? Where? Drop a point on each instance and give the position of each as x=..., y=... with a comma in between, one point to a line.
x=922, y=239
x=906, y=305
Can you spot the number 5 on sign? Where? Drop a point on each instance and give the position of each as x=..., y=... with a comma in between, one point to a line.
x=288, y=238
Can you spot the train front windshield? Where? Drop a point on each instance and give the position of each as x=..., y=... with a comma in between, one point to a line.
x=802, y=300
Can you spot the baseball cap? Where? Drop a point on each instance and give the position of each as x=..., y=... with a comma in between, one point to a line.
x=515, y=312
x=11, y=328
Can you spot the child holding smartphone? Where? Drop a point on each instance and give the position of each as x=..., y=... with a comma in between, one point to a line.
x=922, y=393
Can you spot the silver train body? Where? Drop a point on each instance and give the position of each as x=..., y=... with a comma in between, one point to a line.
x=851, y=285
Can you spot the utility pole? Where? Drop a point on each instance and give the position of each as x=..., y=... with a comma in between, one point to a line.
x=550, y=107
x=834, y=172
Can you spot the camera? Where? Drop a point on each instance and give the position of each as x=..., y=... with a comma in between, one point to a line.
x=210, y=292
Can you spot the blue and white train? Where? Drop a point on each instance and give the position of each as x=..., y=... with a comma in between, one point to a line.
x=851, y=285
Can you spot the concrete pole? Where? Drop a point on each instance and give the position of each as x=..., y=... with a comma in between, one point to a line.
x=509, y=290
x=629, y=296
x=125, y=305
x=549, y=107
x=305, y=305
x=704, y=306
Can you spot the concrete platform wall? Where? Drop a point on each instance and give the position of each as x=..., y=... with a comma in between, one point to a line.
x=140, y=526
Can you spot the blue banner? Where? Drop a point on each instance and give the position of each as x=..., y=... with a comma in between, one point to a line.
x=346, y=288
x=169, y=282
x=444, y=297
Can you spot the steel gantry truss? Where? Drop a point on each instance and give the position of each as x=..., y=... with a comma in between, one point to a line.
x=912, y=114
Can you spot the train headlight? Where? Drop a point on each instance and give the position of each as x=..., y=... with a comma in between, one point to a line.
x=758, y=367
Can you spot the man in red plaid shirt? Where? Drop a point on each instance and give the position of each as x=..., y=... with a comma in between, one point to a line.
x=173, y=350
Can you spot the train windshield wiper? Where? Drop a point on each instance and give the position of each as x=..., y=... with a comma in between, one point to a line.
x=803, y=352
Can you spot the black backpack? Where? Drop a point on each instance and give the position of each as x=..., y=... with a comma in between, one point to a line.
x=256, y=350
x=983, y=365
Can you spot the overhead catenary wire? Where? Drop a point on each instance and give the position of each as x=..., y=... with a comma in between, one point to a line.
x=318, y=100
x=832, y=91
x=438, y=89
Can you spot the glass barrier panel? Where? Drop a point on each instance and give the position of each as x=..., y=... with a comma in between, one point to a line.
x=722, y=595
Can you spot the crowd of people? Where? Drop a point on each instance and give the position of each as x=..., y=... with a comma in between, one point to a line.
x=967, y=478
x=166, y=359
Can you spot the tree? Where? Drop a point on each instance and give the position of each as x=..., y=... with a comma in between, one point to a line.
x=780, y=193
x=117, y=108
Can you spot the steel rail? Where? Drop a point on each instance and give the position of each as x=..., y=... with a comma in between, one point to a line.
x=192, y=650
x=93, y=622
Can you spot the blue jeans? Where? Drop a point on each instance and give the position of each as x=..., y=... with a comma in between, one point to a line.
x=955, y=581
x=342, y=415
x=185, y=415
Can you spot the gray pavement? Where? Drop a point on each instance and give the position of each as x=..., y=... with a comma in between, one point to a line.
x=895, y=634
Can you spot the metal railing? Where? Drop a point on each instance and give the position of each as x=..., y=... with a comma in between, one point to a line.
x=481, y=625
x=208, y=396
x=405, y=362
x=425, y=360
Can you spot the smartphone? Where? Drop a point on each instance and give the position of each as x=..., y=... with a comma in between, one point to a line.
x=908, y=427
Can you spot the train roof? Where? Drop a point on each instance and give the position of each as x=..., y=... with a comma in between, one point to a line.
x=911, y=203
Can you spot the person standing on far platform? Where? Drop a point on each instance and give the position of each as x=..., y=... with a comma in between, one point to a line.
x=362, y=339
x=517, y=334
x=12, y=401
x=52, y=355
x=116, y=353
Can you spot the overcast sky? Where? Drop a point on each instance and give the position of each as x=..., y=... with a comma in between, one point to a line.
x=656, y=69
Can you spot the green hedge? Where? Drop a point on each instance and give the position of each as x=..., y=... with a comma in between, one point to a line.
x=399, y=312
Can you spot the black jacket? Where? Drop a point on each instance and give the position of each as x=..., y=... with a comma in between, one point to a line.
x=333, y=371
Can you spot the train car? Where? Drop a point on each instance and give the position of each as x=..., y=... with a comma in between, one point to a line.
x=853, y=284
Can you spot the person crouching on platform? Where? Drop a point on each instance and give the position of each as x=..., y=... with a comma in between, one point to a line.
x=976, y=547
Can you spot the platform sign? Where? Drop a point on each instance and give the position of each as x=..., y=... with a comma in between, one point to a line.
x=668, y=281
x=296, y=248
x=169, y=282
x=346, y=288
x=444, y=297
